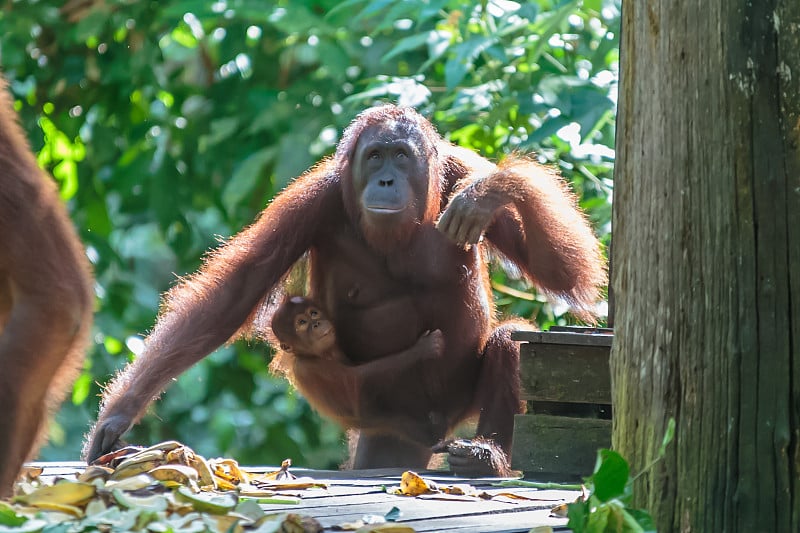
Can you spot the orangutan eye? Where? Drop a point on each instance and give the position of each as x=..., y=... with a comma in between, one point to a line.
x=373, y=155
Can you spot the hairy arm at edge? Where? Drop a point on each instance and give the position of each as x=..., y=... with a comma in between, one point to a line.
x=205, y=309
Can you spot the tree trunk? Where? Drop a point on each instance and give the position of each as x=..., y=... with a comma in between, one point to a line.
x=707, y=261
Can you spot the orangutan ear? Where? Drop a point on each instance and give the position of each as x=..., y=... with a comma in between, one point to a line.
x=286, y=347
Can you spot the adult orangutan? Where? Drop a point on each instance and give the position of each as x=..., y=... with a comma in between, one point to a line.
x=46, y=299
x=311, y=359
x=396, y=224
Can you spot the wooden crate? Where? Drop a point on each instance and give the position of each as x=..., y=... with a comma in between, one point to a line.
x=565, y=379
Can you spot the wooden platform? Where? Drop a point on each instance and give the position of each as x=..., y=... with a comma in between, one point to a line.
x=566, y=380
x=352, y=495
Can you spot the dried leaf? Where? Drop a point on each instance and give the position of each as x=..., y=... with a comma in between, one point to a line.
x=461, y=489
x=292, y=484
x=559, y=510
x=31, y=472
x=412, y=484
x=282, y=474
x=515, y=496
x=448, y=497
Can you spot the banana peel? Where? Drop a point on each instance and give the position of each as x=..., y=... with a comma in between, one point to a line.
x=228, y=469
x=67, y=493
x=95, y=472
x=207, y=503
x=175, y=475
x=135, y=481
x=139, y=463
x=205, y=476
x=155, y=502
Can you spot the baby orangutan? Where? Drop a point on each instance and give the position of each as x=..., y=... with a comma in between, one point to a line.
x=312, y=360
x=303, y=329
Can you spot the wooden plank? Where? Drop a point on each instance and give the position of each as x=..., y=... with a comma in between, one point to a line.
x=430, y=514
x=558, y=337
x=580, y=329
x=348, y=499
x=364, y=474
x=565, y=373
x=558, y=445
x=511, y=522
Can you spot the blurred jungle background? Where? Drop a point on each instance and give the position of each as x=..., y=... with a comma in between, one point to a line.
x=170, y=124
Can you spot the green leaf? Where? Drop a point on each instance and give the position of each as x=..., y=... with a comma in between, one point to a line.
x=547, y=25
x=619, y=520
x=589, y=106
x=598, y=519
x=409, y=43
x=67, y=173
x=454, y=71
x=222, y=128
x=465, y=53
x=610, y=475
x=547, y=129
x=643, y=519
x=373, y=8
x=9, y=517
x=245, y=178
x=342, y=6
x=578, y=514
x=397, y=11
x=31, y=526
x=82, y=388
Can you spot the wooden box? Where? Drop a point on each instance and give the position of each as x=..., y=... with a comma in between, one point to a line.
x=566, y=381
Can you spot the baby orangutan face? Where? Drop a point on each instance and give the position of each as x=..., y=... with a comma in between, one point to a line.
x=303, y=328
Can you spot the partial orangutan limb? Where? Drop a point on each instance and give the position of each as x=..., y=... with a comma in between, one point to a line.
x=46, y=299
x=207, y=308
x=497, y=393
x=526, y=211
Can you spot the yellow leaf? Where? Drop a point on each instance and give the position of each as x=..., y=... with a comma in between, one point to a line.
x=412, y=484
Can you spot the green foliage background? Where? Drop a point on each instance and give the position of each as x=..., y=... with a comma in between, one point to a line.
x=170, y=124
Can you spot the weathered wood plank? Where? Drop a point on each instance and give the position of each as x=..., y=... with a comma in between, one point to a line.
x=560, y=337
x=435, y=515
x=558, y=445
x=511, y=522
x=565, y=373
